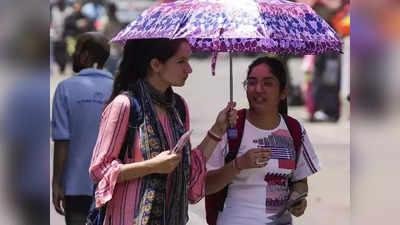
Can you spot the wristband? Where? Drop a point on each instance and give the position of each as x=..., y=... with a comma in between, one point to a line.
x=214, y=136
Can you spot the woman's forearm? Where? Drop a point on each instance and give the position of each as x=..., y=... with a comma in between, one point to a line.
x=218, y=179
x=207, y=146
x=135, y=170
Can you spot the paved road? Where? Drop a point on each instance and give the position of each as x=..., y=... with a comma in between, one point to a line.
x=329, y=198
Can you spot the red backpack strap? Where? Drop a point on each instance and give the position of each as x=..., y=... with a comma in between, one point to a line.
x=215, y=202
x=294, y=128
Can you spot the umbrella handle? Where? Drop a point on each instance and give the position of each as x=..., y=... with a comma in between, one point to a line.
x=231, y=131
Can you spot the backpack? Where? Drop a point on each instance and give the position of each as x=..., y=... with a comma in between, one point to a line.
x=96, y=216
x=214, y=203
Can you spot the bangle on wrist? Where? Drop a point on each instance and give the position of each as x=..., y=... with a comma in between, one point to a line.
x=214, y=136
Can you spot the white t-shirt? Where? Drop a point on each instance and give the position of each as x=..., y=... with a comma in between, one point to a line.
x=258, y=195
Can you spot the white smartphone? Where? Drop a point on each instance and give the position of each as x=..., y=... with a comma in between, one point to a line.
x=182, y=141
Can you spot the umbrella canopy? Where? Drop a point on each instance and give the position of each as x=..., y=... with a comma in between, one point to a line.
x=274, y=26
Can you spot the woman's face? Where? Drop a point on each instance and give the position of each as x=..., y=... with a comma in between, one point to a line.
x=262, y=89
x=176, y=69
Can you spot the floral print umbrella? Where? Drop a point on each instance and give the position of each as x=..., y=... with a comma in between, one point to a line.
x=274, y=26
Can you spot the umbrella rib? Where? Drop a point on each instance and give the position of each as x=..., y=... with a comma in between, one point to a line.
x=263, y=28
x=181, y=24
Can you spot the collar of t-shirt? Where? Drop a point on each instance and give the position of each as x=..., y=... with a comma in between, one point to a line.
x=96, y=72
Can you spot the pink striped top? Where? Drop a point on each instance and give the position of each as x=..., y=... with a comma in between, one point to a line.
x=105, y=165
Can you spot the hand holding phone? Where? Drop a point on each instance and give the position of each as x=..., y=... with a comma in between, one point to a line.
x=295, y=198
x=182, y=141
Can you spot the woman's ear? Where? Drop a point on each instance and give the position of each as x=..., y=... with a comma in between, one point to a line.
x=283, y=94
x=155, y=65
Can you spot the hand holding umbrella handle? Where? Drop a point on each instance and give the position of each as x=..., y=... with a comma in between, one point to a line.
x=232, y=132
x=226, y=121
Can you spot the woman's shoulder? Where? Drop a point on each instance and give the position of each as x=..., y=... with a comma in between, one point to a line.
x=121, y=101
x=290, y=119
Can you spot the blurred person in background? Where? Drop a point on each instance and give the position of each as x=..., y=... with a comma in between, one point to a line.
x=375, y=48
x=308, y=68
x=305, y=93
x=75, y=24
x=110, y=23
x=321, y=89
x=368, y=59
x=59, y=11
x=341, y=20
x=326, y=88
x=93, y=9
x=295, y=97
x=151, y=184
x=25, y=115
x=110, y=26
x=268, y=170
x=77, y=106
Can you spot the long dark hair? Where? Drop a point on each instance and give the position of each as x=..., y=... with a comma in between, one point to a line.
x=278, y=70
x=136, y=59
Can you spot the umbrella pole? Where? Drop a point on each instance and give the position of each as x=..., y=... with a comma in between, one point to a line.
x=230, y=78
x=232, y=131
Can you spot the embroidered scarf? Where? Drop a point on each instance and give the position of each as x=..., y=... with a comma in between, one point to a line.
x=153, y=207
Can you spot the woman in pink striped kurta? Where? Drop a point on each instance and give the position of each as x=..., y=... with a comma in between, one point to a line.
x=132, y=188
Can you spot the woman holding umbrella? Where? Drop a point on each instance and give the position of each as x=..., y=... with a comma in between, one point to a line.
x=155, y=184
x=268, y=167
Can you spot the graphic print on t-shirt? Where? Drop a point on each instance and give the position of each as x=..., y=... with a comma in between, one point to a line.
x=283, y=153
x=277, y=192
x=281, y=146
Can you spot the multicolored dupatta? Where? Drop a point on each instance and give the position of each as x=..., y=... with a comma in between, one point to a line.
x=153, y=207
